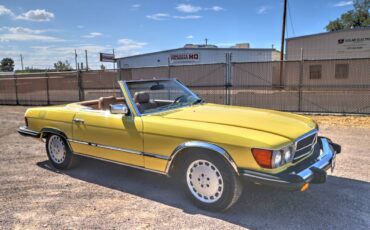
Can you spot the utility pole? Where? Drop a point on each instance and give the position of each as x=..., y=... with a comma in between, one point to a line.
x=76, y=61
x=282, y=44
x=22, y=61
x=87, y=64
x=114, y=61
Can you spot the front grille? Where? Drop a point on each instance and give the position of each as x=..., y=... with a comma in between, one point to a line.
x=304, y=145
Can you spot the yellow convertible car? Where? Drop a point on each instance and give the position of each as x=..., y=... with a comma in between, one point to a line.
x=163, y=127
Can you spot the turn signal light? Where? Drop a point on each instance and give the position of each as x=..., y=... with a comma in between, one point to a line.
x=305, y=187
x=263, y=157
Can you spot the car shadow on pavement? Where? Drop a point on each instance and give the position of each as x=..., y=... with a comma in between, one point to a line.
x=339, y=204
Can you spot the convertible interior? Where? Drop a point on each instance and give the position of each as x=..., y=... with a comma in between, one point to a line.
x=142, y=100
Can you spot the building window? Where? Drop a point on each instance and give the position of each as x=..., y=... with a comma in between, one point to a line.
x=315, y=71
x=341, y=70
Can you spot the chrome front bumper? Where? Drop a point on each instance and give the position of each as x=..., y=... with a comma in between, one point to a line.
x=311, y=170
x=24, y=131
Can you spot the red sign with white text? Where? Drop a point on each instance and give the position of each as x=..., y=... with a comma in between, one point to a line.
x=184, y=57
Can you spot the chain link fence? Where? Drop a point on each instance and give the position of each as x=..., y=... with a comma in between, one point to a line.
x=324, y=86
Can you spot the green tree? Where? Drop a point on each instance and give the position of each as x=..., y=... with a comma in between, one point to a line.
x=7, y=65
x=358, y=17
x=62, y=66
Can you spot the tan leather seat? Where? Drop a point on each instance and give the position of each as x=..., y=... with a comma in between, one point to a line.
x=143, y=102
x=104, y=102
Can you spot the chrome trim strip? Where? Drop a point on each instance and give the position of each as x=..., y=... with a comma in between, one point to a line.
x=156, y=156
x=78, y=142
x=106, y=147
x=204, y=145
x=121, y=149
x=120, y=163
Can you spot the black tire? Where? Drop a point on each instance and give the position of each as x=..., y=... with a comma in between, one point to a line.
x=66, y=159
x=232, y=186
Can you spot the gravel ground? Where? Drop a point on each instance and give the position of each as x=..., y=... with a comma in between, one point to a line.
x=98, y=195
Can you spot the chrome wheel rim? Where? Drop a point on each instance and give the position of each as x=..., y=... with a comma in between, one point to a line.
x=57, y=149
x=204, y=181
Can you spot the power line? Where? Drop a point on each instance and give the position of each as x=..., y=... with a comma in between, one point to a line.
x=290, y=18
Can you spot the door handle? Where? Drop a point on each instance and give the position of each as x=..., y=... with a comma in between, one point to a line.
x=78, y=121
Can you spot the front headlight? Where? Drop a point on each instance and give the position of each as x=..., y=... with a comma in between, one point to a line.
x=288, y=154
x=277, y=159
x=273, y=158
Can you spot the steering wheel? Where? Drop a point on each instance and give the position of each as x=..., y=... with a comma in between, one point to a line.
x=178, y=99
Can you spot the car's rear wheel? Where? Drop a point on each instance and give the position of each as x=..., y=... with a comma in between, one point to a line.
x=59, y=152
x=210, y=182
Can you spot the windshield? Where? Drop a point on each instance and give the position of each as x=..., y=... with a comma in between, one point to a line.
x=160, y=95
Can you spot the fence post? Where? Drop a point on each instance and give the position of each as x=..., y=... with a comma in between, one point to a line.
x=228, y=79
x=81, y=93
x=169, y=68
x=300, y=82
x=47, y=88
x=16, y=88
x=119, y=74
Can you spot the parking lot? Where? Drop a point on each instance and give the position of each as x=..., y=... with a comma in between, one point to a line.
x=98, y=195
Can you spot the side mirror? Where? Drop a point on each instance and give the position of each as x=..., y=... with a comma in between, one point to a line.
x=118, y=109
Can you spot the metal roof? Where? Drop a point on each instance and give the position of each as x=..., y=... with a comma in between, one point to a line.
x=200, y=48
x=330, y=32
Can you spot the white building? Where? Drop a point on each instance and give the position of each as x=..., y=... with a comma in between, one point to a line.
x=343, y=44
x=197, y=55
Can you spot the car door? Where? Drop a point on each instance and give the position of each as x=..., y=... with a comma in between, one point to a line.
x=113, y=137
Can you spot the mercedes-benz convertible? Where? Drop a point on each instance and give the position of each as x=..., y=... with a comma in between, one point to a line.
x=162, y=126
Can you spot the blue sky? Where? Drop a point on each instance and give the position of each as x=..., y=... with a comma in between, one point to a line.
x=45, y=31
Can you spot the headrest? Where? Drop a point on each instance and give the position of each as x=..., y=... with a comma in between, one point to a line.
x=107, y=98
x=104, y=102
x=141, y=97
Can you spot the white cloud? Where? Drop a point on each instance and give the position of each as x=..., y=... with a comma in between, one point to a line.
x=188, y=17
x=188, y=8
x=129, y=44
x=128, y=47
x=263, y=9
x=23, y=30
x=189, y=37
x=136, y=6
x=28, y=37
x=5, y=11
x=163, y=16
x=158, y=16
x=92, y=35
x=45, y=55
x=343, y=3
x=216, y=8
x=37, y=15
x=80, y=26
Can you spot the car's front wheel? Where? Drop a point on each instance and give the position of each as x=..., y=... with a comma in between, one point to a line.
x=210, y=182
x=59, y=152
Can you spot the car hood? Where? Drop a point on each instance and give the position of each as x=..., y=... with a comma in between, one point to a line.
x=280, y=123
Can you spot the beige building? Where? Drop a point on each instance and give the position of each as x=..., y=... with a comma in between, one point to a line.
x=344, y=44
